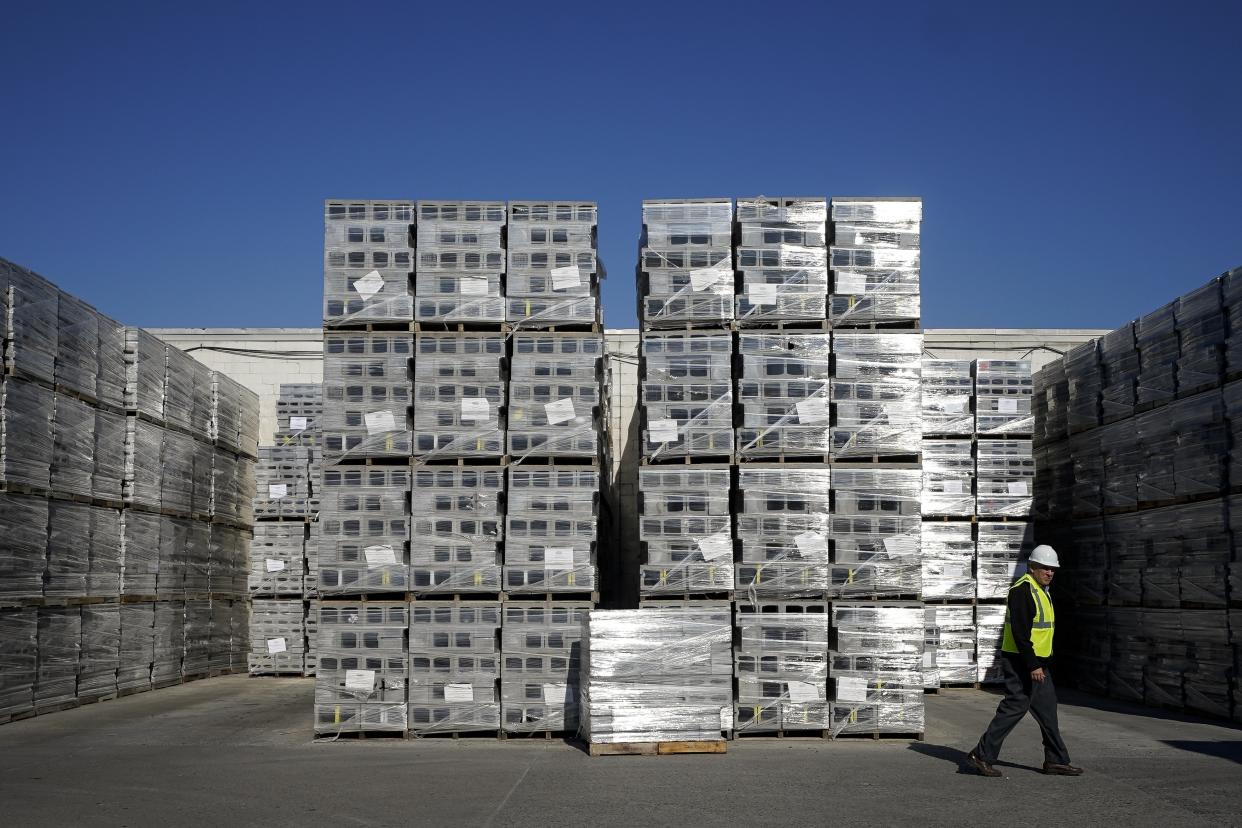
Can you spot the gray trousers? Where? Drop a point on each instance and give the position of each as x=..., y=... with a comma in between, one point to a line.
x=1023, y=694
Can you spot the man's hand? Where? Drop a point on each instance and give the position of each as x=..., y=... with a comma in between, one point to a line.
x=1038, y=674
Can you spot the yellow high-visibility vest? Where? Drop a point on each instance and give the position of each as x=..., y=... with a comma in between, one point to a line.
x=1043, y=625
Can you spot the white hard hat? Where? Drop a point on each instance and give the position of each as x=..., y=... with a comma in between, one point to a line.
x=1045, y=556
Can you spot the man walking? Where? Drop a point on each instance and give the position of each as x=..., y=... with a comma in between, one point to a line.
x=1029, y=626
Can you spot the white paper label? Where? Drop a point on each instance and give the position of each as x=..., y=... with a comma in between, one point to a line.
x=662, y=431
x=726, y=718
x=955, y=571
x=565, y=277
x=561, y=411
x=846, y=369
x=1018, y=487
x=380, y=555
x=719, y=545
x=814, y=410
x=555, y=694
x=811, y=545
x=274, y=565
x=859, y=240
x=852, y=283
x=704, y=277
x=1007, y=405
x=851, y=689
x=955, y=403
x=803, y=691
x=474, y=409
x=901, y=545
x=472, y=285
x=761, y=294
x=276, y=645
x=951, y=486
x=298, y=423
x=277, y=490
x=558, y=557
x=458, y=693
x=360, y=680
x=370, y=284
x=378, y=422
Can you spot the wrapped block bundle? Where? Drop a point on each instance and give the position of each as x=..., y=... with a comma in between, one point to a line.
x=656, y=675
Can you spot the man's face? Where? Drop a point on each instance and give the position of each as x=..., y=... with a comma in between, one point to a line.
x=1042, y=574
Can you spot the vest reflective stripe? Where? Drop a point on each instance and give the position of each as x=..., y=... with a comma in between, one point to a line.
x=1043, y=624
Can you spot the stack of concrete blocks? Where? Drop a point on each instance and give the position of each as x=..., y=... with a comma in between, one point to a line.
x=782, y=261
x=454, y=667
x=876, y=666
x=556, y=398
x=783, y=393
x=876, y=261
x=460, y=394
x=361, y=550
x=367, y=262
x=541, y=653
x=685, y=271
x=458, y=528
x=460, y=273
x=360, y=684
x=1147, y=536
x=877, y=420
x=124, y=475
x=552, y=529
x=284, y=574
x=781, y=664
x=553, y=272
x=653, y=675
x=687, y=303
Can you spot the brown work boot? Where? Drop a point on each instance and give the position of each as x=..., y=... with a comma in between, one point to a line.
x=983, y=768
x=1054, y=769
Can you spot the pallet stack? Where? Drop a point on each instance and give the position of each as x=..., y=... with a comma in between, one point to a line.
x=364, y=501
x=284, y=572
x=687, y=302
x=463, y=451
x=977, y=494
x=877, y=479
x=1139, y=442
x=782, y=499
x=125, y=474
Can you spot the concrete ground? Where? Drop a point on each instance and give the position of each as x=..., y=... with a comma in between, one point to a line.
x=238, y=751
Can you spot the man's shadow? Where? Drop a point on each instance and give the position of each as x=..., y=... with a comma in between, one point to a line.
x=958, y=757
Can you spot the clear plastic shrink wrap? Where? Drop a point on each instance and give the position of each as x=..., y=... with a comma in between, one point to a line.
x=686, y=263
x=685, y=530
x=783, y=394
x=654, y=675
x=687, y=395
x=367, y=262
x=459, y=274
x=784, y=527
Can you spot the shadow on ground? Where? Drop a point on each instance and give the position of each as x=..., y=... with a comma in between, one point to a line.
x=1217, y=748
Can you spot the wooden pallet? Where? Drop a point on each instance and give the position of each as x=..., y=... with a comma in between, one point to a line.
x=658, y=748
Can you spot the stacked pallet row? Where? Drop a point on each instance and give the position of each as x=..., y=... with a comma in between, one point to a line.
x=978, y=474
x=876, y=648
x=364, y=500
x=284, y=576
x=687, y=304
x=476, y=478
x=125, y=471
x=765, y=479
x=782, y=503
x=1140, y=467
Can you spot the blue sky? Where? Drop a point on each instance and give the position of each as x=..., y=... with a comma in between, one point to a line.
x=1080, y=163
